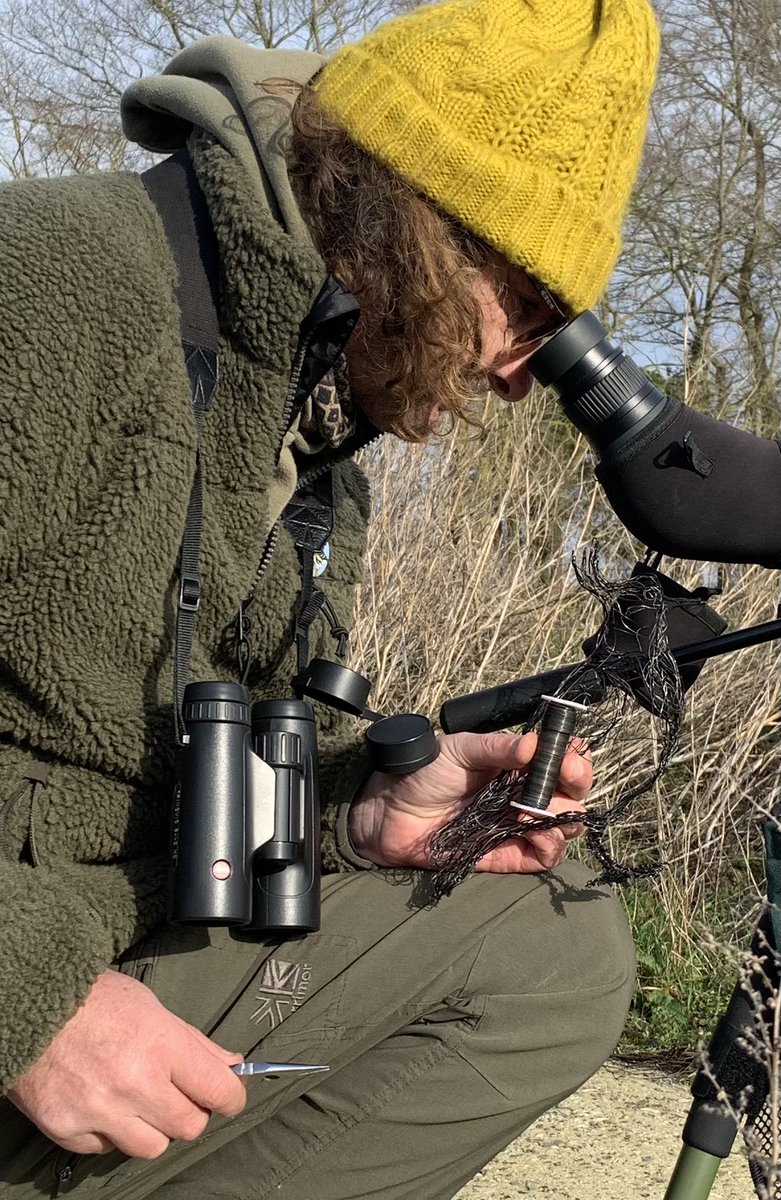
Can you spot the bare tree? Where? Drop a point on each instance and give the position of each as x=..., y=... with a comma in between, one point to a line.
x=704, y=240
x=65, y=63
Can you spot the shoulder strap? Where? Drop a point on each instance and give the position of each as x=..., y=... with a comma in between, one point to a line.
x=176, y=194
x=174, y=190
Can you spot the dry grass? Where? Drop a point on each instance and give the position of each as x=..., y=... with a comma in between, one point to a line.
x=470, y=584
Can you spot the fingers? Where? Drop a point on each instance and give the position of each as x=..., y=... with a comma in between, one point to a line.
x=231, y=1057
x=87, y=1143
x=181, y=1112
x=549, y=850
x=212, y=1087
x=550, y=845
x=508, y=751
x=138, y=1139
x=179, y=1118
x=518, y=855
x=229, y=1099
x=576, y=774
x=492, y=752
x=540, y=851
x=171, y=1116
x=495, y=752
x=537, y=850
x=125, y=1072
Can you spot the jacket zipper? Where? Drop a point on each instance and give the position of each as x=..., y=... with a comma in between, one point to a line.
x=271, y=541
x=265, y=559
x=31, y=839
x=287, y=412
x=63, y=1174
x=292, y=387
x=270, y=544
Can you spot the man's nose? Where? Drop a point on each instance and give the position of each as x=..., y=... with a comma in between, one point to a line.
x=512, y=380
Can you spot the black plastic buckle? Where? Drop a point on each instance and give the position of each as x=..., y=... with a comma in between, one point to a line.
x=190, y=593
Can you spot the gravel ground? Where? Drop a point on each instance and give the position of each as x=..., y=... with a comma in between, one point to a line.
x=616, y=1139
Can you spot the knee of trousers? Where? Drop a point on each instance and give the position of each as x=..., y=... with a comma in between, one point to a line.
x=552, y=980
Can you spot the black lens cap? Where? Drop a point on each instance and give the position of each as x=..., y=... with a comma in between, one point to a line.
x=402, y=744
x=333, y=684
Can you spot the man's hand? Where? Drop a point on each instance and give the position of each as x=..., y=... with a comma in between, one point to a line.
x=127, y=1073
x=392, y=821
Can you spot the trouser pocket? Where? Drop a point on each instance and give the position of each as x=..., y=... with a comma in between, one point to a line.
x=240, y=990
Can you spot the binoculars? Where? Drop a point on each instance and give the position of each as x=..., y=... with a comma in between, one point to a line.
x=245, y=836
x=245, y=844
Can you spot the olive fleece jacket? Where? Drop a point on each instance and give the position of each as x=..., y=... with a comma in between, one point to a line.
x=96, y=467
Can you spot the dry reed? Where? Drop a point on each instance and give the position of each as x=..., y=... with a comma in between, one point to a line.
x=470, y=584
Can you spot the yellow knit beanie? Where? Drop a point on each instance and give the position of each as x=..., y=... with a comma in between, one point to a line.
x=524, y=119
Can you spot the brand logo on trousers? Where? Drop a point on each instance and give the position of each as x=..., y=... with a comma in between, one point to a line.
x=282, y=989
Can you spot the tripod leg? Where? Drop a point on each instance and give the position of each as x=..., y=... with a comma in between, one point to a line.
x=710, y=1129
x=693, y=1176
x=733, y=1082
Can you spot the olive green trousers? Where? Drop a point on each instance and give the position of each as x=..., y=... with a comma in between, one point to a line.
x=448, y=1030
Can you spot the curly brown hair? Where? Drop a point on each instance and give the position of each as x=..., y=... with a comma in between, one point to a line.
x=413, y=269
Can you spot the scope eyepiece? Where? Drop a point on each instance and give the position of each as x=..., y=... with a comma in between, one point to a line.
x=605, y=395
x=682, y=482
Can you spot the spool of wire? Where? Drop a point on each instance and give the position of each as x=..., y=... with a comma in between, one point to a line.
x=556, y=729
x=488, y=819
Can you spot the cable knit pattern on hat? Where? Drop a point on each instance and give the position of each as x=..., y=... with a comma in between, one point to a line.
x=525, y=119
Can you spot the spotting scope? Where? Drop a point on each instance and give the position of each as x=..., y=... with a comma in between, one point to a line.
x=682, y=482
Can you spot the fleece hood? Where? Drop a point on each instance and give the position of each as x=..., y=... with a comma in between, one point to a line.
x=239, y=94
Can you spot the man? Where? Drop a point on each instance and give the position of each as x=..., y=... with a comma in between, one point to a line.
x=462, y=172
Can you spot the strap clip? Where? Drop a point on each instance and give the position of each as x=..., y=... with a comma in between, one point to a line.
x=190, y=593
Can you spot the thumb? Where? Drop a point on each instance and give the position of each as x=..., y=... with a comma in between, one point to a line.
x=490, y=751
x=229, y=1056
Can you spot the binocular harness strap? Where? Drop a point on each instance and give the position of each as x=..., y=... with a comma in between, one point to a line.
x=174, y=190
x=203, y=370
